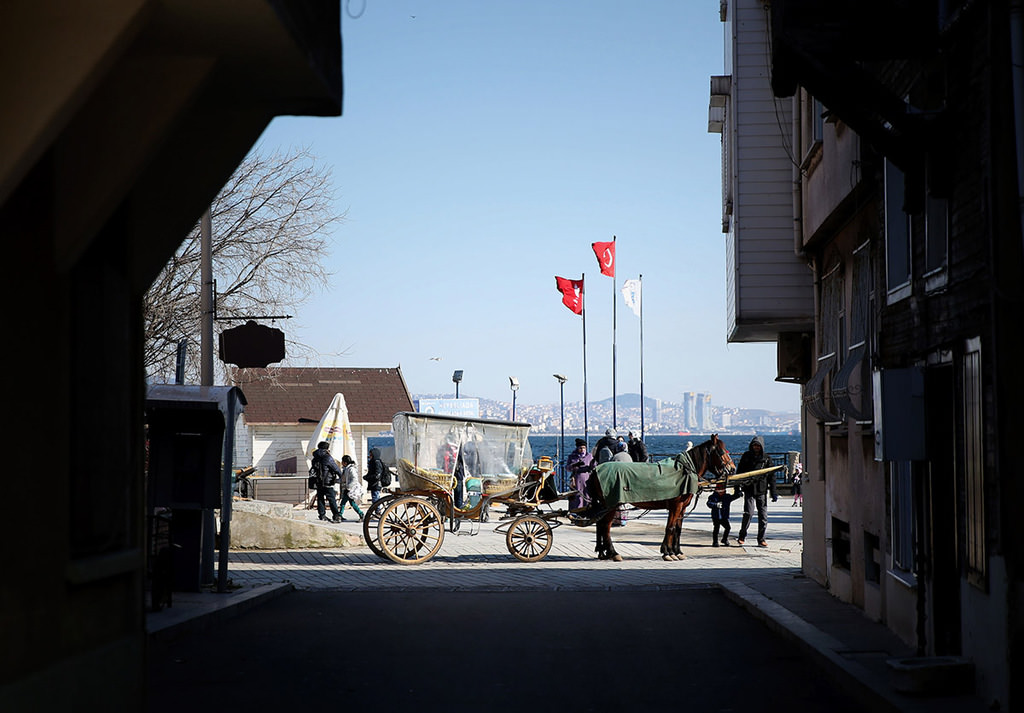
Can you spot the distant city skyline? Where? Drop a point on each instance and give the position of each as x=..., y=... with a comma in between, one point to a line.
x=661, y=417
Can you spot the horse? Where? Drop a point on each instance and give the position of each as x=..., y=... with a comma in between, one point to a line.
x=711, y=455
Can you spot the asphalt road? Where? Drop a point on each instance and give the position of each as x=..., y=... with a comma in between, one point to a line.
x=684, y=649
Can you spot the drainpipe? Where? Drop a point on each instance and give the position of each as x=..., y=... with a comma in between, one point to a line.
x=798, y=188
x=1017, y=70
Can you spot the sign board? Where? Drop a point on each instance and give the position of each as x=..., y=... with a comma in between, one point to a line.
x=463, y=408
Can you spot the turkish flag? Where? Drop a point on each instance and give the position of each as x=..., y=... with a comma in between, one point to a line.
x=605, y=257
x=572, y=293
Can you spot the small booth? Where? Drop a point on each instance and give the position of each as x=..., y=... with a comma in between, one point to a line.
x=190, y=437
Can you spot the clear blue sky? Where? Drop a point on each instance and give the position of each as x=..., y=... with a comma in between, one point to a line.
x=484, y=146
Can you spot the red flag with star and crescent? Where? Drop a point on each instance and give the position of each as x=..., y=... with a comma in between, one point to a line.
x=605, y=257
x=572, y=293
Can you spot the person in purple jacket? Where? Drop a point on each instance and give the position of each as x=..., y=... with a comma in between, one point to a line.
x=580, y=465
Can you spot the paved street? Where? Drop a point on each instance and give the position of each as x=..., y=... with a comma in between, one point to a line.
x=482, y=561
x=728, y=628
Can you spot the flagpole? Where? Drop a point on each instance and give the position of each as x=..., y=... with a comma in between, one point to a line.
x=642, y=403
x=583, y=311
x=615, y=302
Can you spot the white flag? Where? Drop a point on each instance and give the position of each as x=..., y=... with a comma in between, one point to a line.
x=631, y=293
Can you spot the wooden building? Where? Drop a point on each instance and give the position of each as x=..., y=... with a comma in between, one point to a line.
x=906, y=141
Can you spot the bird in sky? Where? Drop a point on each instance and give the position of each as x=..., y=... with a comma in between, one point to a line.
x=435, y=358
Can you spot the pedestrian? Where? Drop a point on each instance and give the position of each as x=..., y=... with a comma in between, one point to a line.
x=351, y=491
x=719, y=502
x=621, y=453
x=605, y=446
x=325, y=473
x=756, y=489
x=580, y=465
x=466, y=466
x=798, y=496
x=374, y=474
x=637, y=448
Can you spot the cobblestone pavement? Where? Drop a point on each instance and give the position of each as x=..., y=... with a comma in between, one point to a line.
x=476, y=558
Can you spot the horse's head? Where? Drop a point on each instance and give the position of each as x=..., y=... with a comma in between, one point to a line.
x=718, y=459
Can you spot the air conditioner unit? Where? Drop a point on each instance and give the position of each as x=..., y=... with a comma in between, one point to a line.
x=899, y=414
x=794, y=357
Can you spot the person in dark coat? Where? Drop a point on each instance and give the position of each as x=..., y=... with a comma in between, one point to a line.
x=719, y=502
x=374, y=471
x=756, y=490
x=327, y=474
x=605, y=447
x=637, y=449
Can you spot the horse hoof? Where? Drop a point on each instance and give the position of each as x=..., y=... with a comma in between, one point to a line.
x=680, y=556
x=616, y=558
x=668, y=558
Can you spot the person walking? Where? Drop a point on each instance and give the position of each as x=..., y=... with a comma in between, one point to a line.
x=637, y=448
x=351, y=491
x=374, y=474
x=326, y=473
x=580, y=465
x=798, y=496
x=719, y=502
x=756, y=490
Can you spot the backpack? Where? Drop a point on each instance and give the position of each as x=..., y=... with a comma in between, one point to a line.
x=385, y=474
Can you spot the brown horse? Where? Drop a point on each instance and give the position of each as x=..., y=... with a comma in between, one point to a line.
x=711, y=455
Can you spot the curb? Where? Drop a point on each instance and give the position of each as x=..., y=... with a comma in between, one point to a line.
x=203, y=610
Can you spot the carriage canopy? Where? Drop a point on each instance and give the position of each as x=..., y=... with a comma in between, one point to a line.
x=484, y=448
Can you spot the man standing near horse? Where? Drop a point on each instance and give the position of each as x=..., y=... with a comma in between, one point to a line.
x=756, y=489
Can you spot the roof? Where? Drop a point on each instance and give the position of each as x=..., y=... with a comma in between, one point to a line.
x=289, y=395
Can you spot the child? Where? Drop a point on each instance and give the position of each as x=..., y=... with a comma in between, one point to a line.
x=719, y=503
x=798, y=497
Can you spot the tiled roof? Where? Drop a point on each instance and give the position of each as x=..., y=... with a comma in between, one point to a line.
x=291, y=395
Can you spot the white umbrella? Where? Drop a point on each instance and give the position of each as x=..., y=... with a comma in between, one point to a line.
x=334, y=428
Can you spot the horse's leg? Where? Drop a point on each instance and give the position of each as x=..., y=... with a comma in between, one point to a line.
x=668, y=546
x=683, y=504
x=607, y=549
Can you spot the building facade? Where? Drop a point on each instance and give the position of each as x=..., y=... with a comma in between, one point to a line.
x=902, y=127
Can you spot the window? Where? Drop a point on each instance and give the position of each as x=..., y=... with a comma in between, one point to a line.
x=901, y=490
x=936, y=242
x=851, y=387
x=817, y=121
x=897, y=236
x=872, y=558
x=974, y=463
x=840, y=544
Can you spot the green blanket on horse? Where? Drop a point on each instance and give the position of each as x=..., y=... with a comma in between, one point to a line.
x=647, y=482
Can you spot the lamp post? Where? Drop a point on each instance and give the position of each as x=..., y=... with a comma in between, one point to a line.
x=457, y=378
x=513, y=384
x=561, y=414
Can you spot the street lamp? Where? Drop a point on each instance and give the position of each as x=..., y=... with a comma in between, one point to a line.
x=561, y=412
x=457, y=377
x=513, y=383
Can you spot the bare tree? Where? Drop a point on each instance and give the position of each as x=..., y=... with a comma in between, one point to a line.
x=270, y=234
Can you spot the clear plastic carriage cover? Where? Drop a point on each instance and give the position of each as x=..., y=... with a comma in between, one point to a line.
x=500, y=449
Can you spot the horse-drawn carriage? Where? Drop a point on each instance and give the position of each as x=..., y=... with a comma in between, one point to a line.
x=452, y=471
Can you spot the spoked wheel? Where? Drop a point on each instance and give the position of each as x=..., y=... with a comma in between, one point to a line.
x=529, y=538
x=370, y=519
x=410, y=530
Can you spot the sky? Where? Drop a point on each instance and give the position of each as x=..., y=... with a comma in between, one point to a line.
x=483, y=147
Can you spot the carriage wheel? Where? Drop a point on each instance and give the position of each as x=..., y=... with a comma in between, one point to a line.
x=410, y=530
x=370, y=520
x=529, y=538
